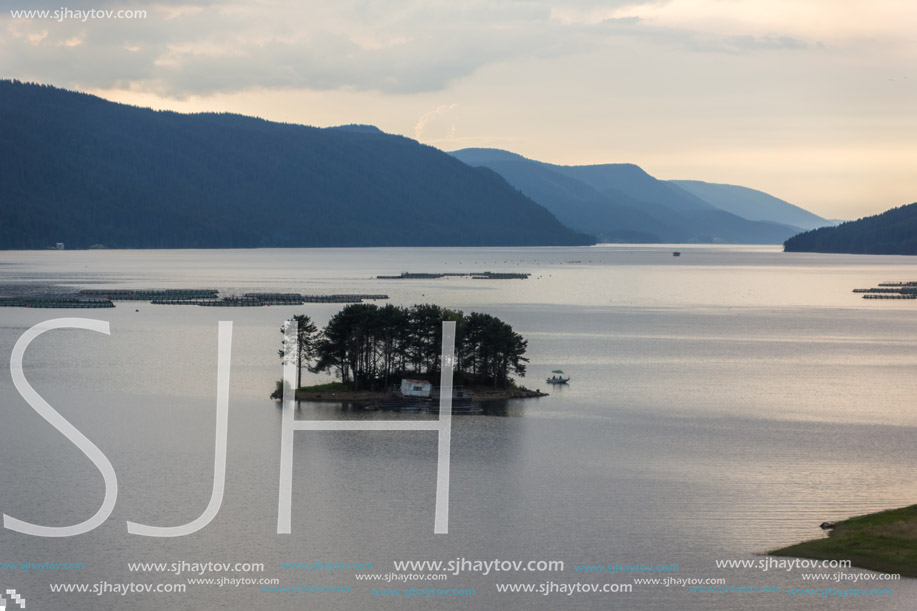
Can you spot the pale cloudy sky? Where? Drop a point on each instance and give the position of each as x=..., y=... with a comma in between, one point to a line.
x=814, y=101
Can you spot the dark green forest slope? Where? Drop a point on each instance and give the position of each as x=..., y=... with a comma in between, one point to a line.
x=893, y=232
x=81, y=170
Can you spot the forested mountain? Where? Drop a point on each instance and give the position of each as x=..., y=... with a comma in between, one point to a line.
x=622, y=203
x=893, y=232
x=81, y=170
x=622, y=220
x=752, y=204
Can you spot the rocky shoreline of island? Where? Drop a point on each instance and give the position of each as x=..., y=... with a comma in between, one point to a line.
x=334, y=395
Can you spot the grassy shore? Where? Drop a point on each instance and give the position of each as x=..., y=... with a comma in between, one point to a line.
x=338, y=391
x=884, y=541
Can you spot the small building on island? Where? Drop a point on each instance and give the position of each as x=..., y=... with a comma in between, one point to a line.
x=416, y=388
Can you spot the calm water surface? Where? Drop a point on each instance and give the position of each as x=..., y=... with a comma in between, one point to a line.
x=723, y=403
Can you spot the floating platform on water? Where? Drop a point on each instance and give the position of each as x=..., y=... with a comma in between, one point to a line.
x=472, y=275
x=890, y=290
x=50, y=301
x=151, y=294
x=250, y=300
x=103, y=298
x=342, y=298
x=291, y=297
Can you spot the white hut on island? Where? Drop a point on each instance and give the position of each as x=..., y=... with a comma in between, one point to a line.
x=416, y=388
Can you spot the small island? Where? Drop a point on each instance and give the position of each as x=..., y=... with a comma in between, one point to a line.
x=337, y=392
x=884, y=542
x=372, y=351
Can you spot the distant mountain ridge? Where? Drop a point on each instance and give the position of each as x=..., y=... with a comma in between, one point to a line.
x=752, y=204
x=893, y=232
x=623, y=203
x=78, y=169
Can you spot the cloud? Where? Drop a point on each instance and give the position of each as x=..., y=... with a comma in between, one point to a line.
x=198, y=47
x=85, y=5
x=429, y=116
x=748, y=44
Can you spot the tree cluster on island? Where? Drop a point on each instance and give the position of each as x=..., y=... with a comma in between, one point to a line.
x=370, y=348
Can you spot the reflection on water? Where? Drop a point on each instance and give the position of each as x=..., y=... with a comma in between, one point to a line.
x=723, y=403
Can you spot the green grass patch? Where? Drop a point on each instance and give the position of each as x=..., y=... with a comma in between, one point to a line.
x=318, y=388
x=884, y=541
x=329, y=387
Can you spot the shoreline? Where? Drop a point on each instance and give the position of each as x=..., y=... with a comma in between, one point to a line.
x=366, y=396
x=885, y=542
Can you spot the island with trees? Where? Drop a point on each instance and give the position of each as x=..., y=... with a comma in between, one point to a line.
x=370, y=349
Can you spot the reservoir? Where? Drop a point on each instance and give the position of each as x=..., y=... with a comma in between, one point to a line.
x=722, y=403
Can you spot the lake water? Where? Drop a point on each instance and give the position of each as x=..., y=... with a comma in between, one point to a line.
x=723, y=403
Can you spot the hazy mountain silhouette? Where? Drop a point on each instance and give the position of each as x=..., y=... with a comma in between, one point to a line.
x=77, y=169
x=752, y=204
x=580, y=204
x=622, y=203
x=893, y=232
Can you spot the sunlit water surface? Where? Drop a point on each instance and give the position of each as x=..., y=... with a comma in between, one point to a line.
x=723, y=403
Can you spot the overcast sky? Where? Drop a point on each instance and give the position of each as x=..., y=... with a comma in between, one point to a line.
x=814, y=101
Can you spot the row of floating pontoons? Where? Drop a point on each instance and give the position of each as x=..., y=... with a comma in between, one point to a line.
x=104, y=298
x=890, y=290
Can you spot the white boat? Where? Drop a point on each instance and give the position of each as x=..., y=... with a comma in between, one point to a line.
x=557, y=379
